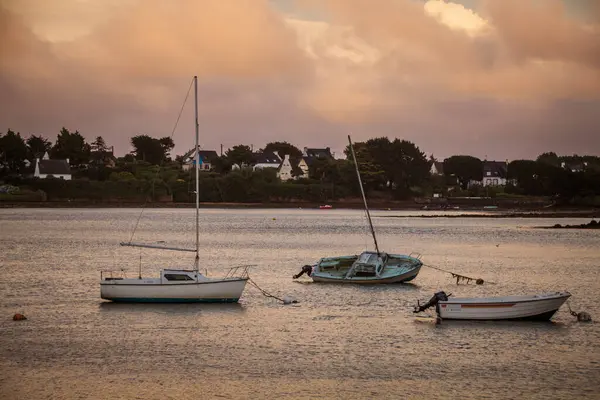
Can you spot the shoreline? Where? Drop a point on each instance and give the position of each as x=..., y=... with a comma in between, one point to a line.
x=468, y=211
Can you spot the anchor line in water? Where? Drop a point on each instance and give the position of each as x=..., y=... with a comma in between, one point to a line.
x=458, y=277
x=267, y=294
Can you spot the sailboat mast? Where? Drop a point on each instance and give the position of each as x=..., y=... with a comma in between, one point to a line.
x=362, y=191
x=197, y=163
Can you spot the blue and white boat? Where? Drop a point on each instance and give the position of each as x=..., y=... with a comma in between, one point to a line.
x=177, y=285
x=369, y=267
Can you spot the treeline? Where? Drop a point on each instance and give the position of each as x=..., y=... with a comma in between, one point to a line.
x=390, y=169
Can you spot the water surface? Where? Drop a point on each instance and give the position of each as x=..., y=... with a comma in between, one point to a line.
x=337, y=342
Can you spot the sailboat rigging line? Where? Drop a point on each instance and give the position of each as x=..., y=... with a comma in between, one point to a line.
x=159, y=167
x=362, y=191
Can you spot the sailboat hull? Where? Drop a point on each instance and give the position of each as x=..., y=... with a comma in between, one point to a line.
x=147, y=291
x=400, y=278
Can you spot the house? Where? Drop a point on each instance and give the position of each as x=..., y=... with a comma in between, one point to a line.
x=46, y=168
x=494, y=173
x=574, y=166
x=317, y=153
x=207, y=157
x=437, y=168
x=289, y=169
x=103, y=157
x=309, y=155
x=266, y=160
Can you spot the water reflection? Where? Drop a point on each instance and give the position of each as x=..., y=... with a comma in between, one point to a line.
x=510, y=326
x=172, y=308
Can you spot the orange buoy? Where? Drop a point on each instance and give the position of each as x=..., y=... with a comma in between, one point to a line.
x=19, y=317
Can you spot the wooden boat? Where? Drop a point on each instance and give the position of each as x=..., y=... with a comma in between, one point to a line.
x=369, y=267
x=177, y=285
x=325, y=207
x=538, y=307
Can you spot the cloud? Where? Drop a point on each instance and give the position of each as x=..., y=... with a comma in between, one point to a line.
x=138, y=64
x=456, y=16
x=541, y=30
x=509, y=74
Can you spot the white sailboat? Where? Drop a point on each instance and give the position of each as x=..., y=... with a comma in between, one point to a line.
x=177, y=285
x=369, y=267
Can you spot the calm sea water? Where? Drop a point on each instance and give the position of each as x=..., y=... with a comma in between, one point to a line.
x=337, y=342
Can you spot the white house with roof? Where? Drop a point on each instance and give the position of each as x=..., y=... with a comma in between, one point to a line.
x=437, y=168
x=309, y=155
x=286, y=170
x=494, y=173
x=574, y=166
x=266, y=160
x=46, y=168
x=206, y=158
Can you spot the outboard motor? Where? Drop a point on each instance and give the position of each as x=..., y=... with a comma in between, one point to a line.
x=439, y=296
x=307, y=269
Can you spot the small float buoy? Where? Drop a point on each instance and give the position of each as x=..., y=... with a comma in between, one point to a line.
x=274, y=219
x=584, y=317
x=19, y=317
x=289, y=300
x=581, y=316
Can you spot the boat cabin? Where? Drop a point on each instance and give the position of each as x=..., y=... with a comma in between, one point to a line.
x=167, y=276
x=368, y=263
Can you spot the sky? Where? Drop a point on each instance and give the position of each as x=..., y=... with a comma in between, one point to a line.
x=497, y=79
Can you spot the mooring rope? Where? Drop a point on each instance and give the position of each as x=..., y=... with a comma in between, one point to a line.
x=267, y=294
x=459, y=277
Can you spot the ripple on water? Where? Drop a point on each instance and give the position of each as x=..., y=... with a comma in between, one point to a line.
x=338, y=341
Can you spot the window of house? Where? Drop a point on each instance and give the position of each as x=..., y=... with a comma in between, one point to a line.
x=488, y=173
x=494, y=181
x=178, y=277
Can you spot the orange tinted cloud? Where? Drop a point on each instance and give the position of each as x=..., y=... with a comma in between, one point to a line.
x=385, y=67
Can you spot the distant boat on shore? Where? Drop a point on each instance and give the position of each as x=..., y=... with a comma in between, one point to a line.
x=325, y=207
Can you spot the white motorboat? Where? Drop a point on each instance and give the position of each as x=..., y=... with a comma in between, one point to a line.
x=538, y=307
x=177, y=285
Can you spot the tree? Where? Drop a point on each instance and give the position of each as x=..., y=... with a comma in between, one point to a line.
x=240, y=155
x=549, y=158
x=37, y=146
x=283, y=148
x=407, y=167
x=71, y=145
x=99, y=145
x=371, y=173
x=13, y=151
x=167, y=145
x=323, y=169
x=465, y=168
x=221, y=165
x=526, y=174
x=151, y=150
x=399, y=164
